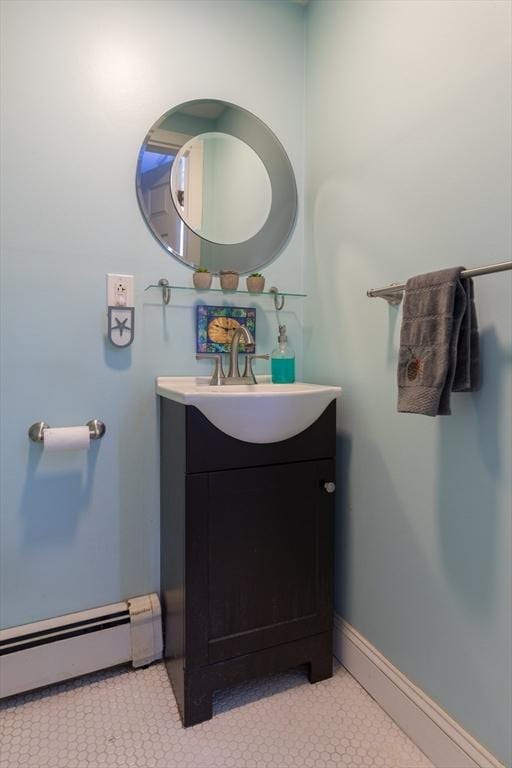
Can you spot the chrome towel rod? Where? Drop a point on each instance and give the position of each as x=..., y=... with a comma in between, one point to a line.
x=394, y=293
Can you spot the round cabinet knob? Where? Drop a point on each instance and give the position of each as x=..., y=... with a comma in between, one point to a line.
x=330, y=487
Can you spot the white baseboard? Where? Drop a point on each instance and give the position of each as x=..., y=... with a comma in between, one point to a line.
x=441, y=739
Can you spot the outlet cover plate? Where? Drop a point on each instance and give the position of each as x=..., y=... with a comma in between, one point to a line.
x=119, y=287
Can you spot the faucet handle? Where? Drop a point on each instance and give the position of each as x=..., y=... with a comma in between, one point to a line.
x=218, y=370
x=248, y=371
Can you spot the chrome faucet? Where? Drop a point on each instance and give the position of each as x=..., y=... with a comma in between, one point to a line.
x=234, y=371
x=234, y=377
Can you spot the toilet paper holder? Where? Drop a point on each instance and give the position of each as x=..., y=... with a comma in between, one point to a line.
x=36, y=430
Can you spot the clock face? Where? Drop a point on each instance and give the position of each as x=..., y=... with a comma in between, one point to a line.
x=221, y=329
x=216, y=326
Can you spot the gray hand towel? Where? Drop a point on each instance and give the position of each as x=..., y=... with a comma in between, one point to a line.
x=467, y=372
x=438, y=342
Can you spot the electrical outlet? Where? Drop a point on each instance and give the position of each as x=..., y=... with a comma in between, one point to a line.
x=119, y=290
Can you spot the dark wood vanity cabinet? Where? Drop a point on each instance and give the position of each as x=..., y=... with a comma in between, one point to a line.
x=246, y=555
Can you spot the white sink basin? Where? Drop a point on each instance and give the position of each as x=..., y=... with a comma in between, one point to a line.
x=255, y=413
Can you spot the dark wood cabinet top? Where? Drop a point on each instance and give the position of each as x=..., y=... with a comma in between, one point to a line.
x=208, y=449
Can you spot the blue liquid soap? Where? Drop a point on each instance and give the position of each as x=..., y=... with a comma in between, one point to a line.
x=283, y=360
x=283, y=370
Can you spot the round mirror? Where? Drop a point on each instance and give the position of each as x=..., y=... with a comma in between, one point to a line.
x=220, y=188
x=216, y=187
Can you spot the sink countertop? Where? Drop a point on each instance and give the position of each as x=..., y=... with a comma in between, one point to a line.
x=254, y=413
x=185, y=389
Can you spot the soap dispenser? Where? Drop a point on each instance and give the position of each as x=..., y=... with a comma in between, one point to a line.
x=283, y=360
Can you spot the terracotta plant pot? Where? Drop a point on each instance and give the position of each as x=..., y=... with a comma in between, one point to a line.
x=255, y=284
x=229, y=281
x=202, y=280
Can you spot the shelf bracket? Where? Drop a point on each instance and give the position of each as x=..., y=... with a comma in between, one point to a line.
x=166, y=291
x=278, y=298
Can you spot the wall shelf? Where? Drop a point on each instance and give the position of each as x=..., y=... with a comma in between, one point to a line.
x=278, y=296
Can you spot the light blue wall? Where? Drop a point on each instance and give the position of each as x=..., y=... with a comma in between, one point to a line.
x=83, y=83
x=408, y=123
x=408, y=169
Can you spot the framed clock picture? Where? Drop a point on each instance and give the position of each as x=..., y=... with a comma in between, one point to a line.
x=216, y=326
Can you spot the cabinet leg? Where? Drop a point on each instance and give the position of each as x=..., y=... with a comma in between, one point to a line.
x=198, y=705
x=320, y=668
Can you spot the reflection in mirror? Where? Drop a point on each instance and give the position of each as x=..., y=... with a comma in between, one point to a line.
x=154, y=172
x=216, y=187
x=220, y=188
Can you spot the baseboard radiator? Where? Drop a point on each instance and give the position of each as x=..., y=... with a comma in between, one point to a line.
x=45, y=652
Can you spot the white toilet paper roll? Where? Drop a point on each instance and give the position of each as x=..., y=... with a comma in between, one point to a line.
x=66, y=439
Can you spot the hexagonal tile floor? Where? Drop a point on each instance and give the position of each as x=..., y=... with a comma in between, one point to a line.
x=124, y=717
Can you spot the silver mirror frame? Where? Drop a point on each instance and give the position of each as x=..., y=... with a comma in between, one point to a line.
x=256, y=252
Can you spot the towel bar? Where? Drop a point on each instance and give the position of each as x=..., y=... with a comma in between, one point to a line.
x=393, y=293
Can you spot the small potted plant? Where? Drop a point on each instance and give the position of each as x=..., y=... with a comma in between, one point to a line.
x=202, y=278
x=229, y=279
x=255, y=283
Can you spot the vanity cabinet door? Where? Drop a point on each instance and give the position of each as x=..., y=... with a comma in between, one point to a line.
x=259, y=557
